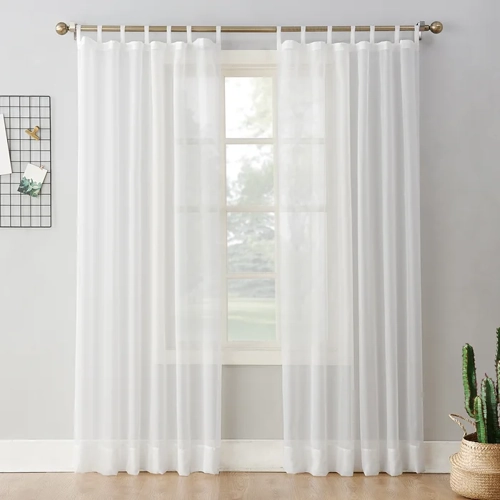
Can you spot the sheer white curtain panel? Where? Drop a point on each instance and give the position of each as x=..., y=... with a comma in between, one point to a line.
x=148, y=367
x=349, y=249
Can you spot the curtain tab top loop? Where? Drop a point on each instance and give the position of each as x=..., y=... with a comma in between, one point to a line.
x=329, y=34
x=397, y=32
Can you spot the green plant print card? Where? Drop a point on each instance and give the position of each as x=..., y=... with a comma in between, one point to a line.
x=32, y=180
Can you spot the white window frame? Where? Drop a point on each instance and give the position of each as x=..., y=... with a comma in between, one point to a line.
x=249, y=63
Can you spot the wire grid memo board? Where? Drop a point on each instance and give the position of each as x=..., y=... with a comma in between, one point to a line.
x=21, y=113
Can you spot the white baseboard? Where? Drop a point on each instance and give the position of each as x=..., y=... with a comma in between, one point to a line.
x=264, y=455
x=36, y=456
x=236, y=455
x=437, y=455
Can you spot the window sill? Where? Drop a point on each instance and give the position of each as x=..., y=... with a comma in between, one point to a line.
x=263, y=357
x=230, y=356
x=251, y=356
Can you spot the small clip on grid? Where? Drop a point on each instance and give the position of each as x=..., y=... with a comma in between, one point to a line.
x=33, y=133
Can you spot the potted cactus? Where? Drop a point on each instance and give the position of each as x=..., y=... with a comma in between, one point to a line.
x=482, y=408
x=475, y=470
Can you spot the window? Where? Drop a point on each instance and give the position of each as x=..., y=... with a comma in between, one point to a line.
x=250, y=178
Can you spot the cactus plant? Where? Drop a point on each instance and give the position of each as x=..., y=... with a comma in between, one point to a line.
x=482, y=436
x=482, y=408
x=497, y=359
x=469, y=378
x=489, y=397
x=498, y=377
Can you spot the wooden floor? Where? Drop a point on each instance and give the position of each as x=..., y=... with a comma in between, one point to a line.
x=226, y=486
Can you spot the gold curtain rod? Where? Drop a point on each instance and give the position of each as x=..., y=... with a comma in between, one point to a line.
x=63, y=28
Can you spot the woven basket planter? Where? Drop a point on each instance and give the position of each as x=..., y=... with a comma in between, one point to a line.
x=475, y=469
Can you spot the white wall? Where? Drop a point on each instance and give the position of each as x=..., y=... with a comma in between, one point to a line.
x=460, y=119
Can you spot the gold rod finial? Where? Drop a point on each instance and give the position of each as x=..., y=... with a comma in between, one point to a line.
x=436, y=27
x=62, y=28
